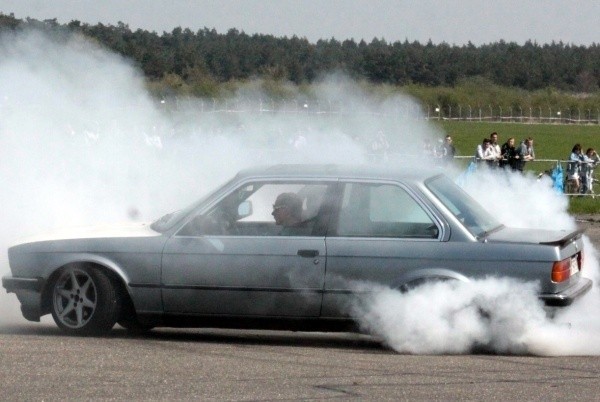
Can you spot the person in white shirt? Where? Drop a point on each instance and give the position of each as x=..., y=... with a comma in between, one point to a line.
x=574, y=170
x=485, y=153
x=590, y=160
x=495, y=148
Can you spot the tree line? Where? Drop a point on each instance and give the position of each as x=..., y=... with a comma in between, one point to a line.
x=205, y=57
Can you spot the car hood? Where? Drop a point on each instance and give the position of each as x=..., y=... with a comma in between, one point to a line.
x=533, y=236
x=95, y=232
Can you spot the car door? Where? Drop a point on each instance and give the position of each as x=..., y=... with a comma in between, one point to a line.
x=382, y=230
x=232, y=259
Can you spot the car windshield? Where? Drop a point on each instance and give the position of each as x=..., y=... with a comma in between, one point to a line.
x=470, y=213
x=169, y=220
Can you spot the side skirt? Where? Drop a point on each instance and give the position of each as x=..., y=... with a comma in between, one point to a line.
x=233, y=322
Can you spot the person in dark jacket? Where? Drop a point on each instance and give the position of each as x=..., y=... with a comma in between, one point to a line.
x=447, y=151
x=508, y=154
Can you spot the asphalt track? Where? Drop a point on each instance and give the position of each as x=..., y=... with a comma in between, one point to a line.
x=38, y=362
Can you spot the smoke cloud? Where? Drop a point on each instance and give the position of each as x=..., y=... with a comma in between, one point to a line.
x=490, y=315
x=455, y=317
x=84, y=143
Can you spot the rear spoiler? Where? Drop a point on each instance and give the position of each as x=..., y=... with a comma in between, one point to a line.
x=568, y=238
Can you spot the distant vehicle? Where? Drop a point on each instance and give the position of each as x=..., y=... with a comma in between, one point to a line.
x=223, y=261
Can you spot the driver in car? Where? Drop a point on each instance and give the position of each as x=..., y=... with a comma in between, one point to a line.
x=287, y=211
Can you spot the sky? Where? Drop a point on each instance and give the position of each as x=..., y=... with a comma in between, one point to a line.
x=452, y=22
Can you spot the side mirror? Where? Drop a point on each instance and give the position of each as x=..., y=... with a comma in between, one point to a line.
x=244, y=209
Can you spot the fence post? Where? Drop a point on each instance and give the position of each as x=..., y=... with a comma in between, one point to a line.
x=520, y=114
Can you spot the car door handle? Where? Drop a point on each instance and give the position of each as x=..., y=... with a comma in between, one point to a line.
x=308, y=253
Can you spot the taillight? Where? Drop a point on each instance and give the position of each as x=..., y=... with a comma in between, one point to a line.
x=561, y=270
x=580, y=260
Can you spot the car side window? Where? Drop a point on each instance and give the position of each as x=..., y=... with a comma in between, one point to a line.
x=382, y=210
x=263, y=209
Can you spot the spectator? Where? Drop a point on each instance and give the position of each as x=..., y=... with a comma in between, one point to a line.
x=299, y=141
x=448, y=151
x=574, y=170
x=428, y=148
x=380, y=146
x=508, y=154
x=485, y=153
x=495, y=148
x=590, y=160
x=525, y=153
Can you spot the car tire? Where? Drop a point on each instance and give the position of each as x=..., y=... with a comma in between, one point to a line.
x=84, y=301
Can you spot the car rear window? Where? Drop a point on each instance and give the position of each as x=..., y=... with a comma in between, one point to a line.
x=469, y=212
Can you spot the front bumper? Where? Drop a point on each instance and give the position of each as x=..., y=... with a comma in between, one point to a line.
x=29, y=293
x=567, y=296
x=14, y=285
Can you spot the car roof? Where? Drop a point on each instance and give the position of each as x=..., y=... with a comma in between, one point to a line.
x=332, y=171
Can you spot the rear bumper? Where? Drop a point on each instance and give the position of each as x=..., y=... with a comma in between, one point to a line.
x=567, y=296
x=14, y=285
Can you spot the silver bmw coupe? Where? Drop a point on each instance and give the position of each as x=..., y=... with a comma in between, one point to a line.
x=283, y=247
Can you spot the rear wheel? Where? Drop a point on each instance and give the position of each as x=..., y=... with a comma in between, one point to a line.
x=84, y=301
x=415, y=283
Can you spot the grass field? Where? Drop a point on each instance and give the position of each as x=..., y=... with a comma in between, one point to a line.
x=553, y=142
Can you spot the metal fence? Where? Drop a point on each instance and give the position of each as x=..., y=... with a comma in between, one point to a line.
x=526, y=115
x=489, y=113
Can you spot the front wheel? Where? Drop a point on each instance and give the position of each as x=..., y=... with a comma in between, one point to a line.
x=84, y=301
